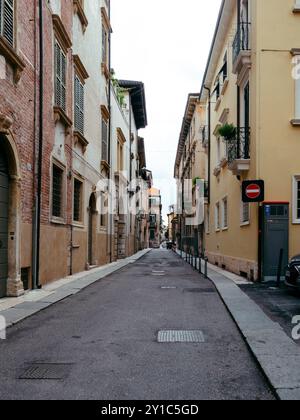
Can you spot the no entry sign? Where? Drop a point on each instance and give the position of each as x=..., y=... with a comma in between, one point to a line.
x=253, y=191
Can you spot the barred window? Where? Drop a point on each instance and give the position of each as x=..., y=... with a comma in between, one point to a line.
x=7, y=29
x=60, y=77
x=245, y=213
x=57, y=191
x=217, y=216
x=79, y=105
x=104, y=141
x=77, y=201
x=225, y=213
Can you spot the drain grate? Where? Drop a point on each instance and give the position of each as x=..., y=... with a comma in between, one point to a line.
x=47, y=371
x=174, y=336
x=198, y=290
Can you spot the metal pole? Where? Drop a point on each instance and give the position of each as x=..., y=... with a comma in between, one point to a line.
x=279, y=267
x=200, y=265
x=206, y=272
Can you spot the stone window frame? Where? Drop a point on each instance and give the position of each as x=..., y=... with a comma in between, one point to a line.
x=79, y=10
x=106, y=26
x=10, y=52
x=224, y=221
x=62, y=39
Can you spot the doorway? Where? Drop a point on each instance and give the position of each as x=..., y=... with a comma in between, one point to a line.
x=275, y=237
x=4, y=202
x=92, y=230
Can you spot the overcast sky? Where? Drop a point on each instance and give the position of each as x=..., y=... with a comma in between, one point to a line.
x=165, y=44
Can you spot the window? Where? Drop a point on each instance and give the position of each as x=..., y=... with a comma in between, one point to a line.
x=245, y=213
x=57, y=191
x=60, y=77
x=217, y=216
x=207, y=221
x=7, y=29
x=77, y=201
x=296, y=200
x=79, y=106
x=218, y=151
x=103, y=215
x=225, y=213
x=104, y=140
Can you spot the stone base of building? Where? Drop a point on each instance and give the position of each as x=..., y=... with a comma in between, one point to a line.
x=239, y=266
x=15, y=287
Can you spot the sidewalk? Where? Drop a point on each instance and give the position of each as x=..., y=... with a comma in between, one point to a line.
x=15, y=310
x=274, y=350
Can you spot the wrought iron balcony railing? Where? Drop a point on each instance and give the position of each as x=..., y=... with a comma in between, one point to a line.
x=242, y=40
x=239, y=148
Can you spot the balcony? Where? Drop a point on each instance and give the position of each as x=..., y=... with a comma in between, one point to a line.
x=238, y=152
x=241, y=47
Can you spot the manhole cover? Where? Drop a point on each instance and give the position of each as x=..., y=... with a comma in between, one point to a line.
x=46, y=371
x=180, y=337
x=198, y=290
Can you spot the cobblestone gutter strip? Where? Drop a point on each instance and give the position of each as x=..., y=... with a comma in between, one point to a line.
x=276, y=353
x=37, y=301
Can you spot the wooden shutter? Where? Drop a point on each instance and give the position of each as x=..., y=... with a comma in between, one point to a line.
x=104, y=141
x=79, y=105
x=7, y=20
x=60, y=77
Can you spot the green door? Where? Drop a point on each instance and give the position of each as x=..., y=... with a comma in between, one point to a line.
x=275, y=239
x=4, y=189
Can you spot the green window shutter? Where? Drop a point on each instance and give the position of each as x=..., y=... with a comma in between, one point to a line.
x=79, y=105
x=104, y=141
x=60, y=77
x=7, y=29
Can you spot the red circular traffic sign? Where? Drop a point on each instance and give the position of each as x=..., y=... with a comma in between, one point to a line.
x=253, y=191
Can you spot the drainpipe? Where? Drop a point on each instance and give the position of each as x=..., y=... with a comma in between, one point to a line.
x=109, y=139
x=209, y=143
x=38, y=197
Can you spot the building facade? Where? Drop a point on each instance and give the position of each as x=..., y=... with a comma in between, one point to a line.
x=251, y=95
x=61, y=134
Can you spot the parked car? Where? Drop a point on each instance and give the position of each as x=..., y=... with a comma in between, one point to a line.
x=292, y=278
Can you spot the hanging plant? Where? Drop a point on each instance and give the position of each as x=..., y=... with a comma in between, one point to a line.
x=228, y=131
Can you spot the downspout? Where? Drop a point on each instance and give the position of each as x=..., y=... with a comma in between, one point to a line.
x=109, y=139
x=38, y=198
x=209, y=143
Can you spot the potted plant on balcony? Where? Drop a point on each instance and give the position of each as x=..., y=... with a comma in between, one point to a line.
x=228, y=132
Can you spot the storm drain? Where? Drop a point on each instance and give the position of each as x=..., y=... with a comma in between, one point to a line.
x=180, y=336
x=47, y=371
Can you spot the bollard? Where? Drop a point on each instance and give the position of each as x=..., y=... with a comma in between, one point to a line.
x=206, y=271
x=200, y=265
x=186, y=257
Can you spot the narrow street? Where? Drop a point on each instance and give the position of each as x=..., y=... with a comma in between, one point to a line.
x=106, y=340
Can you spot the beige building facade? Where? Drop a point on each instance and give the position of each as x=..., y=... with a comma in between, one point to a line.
x=251, y=85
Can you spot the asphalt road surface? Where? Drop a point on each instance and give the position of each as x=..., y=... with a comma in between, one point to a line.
x=102, y=343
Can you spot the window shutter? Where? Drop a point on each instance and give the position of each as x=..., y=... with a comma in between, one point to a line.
x=7, y=20
x=60, y=77
x=104, y=141
x=79, y=106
